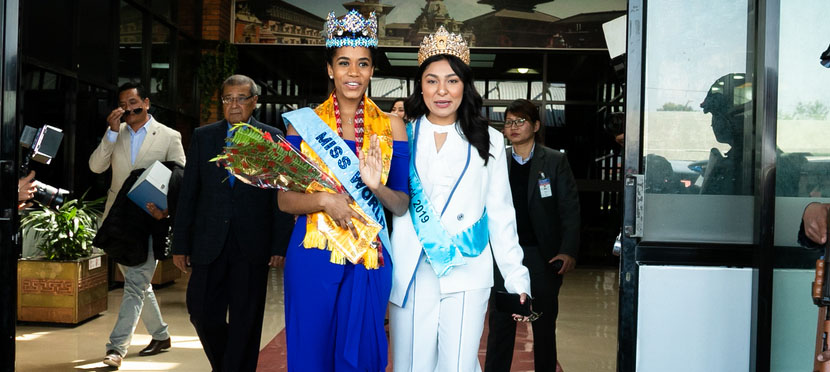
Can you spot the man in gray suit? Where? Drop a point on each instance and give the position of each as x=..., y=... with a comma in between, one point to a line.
x=547, y=221
x=136, y=143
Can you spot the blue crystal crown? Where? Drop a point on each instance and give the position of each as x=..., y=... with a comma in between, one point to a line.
x=352, y=30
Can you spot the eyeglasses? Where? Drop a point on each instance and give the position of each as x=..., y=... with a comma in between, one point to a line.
x=240, y=100
x=518, y=123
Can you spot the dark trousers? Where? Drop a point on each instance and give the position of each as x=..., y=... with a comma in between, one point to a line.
x=544, y=284
x=226, y=302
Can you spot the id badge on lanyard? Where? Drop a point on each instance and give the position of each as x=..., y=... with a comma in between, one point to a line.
x=544, y=186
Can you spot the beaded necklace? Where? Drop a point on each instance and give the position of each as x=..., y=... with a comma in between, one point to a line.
x=358, y=144
x=358, y=123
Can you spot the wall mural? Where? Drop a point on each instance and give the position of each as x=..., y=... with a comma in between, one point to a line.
x=484, y=23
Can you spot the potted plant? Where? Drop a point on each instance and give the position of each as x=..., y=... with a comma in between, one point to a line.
x=67, y=281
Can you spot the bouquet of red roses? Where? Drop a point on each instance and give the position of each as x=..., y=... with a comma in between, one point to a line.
x=258, y=159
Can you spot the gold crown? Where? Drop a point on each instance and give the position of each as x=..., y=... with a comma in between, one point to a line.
x=443, y=42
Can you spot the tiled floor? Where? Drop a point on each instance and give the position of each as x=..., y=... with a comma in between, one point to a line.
x=587, y=332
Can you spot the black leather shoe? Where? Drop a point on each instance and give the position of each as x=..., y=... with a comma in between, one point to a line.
x=155, y=347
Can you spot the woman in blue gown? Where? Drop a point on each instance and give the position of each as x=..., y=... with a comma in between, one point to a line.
x=334, y=309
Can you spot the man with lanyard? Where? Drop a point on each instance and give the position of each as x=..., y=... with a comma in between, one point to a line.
x=136, y=143
x=546, y=203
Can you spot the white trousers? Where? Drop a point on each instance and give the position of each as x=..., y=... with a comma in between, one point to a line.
x=434, y=331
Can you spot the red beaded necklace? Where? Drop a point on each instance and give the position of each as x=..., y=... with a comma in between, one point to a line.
x=358, y=123
x=358, y=144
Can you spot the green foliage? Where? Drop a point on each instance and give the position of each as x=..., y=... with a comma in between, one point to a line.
x=214, y=67
x=65, y=233
x=815, y=110
x=671, y=106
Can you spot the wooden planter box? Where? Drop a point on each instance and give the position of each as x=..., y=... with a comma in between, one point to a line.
x=61, y=291
x=166, y=272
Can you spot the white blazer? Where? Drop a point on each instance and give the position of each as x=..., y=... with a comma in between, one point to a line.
x=161, y=143
x=482, y=186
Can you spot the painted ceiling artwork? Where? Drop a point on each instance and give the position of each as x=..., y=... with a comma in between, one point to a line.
x=482, y=23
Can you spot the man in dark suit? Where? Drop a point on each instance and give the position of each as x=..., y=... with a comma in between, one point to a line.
x=229, y=233
x=547, y=221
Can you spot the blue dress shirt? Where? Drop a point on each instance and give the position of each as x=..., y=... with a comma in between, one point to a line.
x=136, y=138
x=519, y=159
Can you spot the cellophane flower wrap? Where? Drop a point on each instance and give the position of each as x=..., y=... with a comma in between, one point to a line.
x=271, y=162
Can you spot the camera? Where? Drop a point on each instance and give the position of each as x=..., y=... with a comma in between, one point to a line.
x=42, y=145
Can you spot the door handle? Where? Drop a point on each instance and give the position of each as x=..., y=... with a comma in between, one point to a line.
x=637, y=183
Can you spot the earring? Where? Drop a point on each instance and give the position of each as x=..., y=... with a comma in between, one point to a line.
x=331, y=77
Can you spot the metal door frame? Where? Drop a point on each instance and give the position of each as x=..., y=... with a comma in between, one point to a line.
x=9, y=242
x=760, y=254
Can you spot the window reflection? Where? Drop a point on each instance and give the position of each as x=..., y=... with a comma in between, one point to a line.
x=507, y=90
x=480, y=87
x=160, y=68
x=554, y=113
x=729, y=103
x=389, y=87
x=722, y=170
x=187, y=96
x=43, y=34
x=94, y=44
x=162, y=8
x=698, y=135
x=129, y=48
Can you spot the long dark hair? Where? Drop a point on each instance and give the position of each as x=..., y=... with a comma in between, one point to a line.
x=473, y=125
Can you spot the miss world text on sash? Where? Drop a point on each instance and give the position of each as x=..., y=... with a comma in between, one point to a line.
x=342, y=162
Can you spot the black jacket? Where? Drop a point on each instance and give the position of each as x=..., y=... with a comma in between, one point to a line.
x=124, y=233
x=210, y=209
x=556, y=218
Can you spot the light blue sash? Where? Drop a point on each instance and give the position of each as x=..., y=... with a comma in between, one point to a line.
x=443, y=251
x=341, y=160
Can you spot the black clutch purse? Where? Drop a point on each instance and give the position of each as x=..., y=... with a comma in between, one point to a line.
x=509, y=303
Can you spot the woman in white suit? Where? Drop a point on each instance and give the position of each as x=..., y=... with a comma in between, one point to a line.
x=460, y=218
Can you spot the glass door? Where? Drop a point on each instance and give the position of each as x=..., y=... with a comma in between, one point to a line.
x=691, y=197
x=698, y=137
